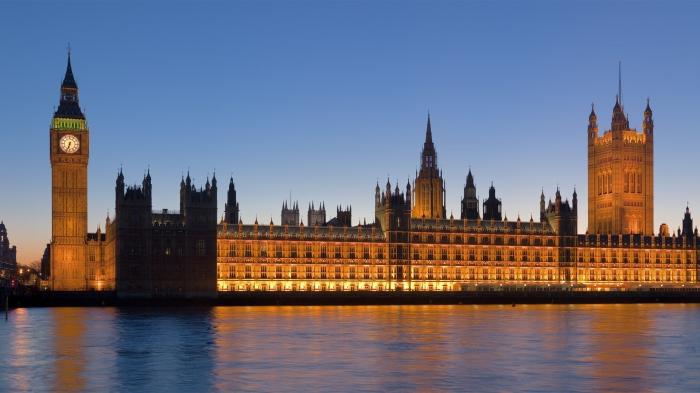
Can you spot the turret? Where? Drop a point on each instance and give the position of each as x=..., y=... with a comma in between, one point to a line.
x=290, y=215
x=316, y=217
x=146, y=183
x=687, y=224
x=542, y=207
x=119, y=190
x=470, y=203
x=492, y=206
x=408, y=191
x=560, y=215
x=231, y=208
x=592, y=124
x=619, y=119
x=377, y=195
x=648, y=125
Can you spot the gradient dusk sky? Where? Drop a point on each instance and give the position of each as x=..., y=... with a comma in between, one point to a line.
x=321, y=99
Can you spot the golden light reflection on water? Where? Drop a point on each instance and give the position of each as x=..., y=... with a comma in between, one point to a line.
x=69, y=327
x=375, y=348
x=538, y=347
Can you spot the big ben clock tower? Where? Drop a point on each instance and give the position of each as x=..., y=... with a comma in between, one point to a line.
x=69, y=146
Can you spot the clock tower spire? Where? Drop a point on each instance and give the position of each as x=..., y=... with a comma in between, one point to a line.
x=69, y=146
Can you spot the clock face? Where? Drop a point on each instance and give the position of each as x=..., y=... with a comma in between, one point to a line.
x=69, y=144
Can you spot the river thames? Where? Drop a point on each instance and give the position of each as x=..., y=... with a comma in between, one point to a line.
x=634, y=347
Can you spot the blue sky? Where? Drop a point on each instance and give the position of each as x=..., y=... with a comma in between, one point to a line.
x=321, y=99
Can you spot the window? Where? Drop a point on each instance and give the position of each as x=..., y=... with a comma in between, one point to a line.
x=324, y=273
x=278, y=272
x=293, y=272
x=232, y=249
x=201, y=249
x=308, y=252
x=639, y=183
x=309, y=272
x=263, y=271
x=278, y=250
x=248, y=272
x=293, y=250
x=380, y=272
x=263, y=250
x=365, y=272
x=352, y=272
x=338, y=273
x=430, y=273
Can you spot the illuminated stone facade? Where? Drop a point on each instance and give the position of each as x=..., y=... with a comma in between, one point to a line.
x=77, y=258
x=410, y=246
x=621, y=175
x=429, y=186
x=401, y=251
x=448, y=255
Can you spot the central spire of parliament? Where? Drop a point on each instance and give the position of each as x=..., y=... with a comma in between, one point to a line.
x=429, y=187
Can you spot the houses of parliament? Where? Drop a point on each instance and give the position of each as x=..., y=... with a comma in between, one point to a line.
x=411, y=245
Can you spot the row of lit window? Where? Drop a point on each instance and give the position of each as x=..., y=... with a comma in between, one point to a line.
x=497, y=240
x=614, y=257
x=310, y=272
x=635, y=275
x=294, y=251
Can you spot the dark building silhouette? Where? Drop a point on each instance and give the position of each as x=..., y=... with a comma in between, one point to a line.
x=688, y=225
x=470, y=203
x=166, y=253
x=231, y=208
x=561, y=216
x=316, y=217
x=343, y=217
x=492, y=206
x=8, y=255
x=290, y=213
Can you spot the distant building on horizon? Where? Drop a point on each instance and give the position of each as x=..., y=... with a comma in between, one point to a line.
x=8, y=255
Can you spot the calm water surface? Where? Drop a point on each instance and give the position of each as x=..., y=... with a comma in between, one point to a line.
x=369, y=348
